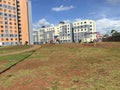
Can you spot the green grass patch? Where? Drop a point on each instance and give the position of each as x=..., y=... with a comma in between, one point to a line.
x=12, y=59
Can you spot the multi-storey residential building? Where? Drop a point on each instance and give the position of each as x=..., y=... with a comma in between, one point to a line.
x=45, y=35
x=65, y=32
x=84, y=30
x=15, y=22
x=35, y=36
x=79, y=31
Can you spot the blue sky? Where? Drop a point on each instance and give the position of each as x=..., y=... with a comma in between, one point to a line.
x=106, y=13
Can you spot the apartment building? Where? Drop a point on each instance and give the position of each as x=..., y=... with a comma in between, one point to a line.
x=45, y=35
x=35, y=36
x=15, y=22
x=84, y=31
x=65, y=32
x=78, y=31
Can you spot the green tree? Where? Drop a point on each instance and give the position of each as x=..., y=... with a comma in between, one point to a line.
x=106, y=35
x=115, y=33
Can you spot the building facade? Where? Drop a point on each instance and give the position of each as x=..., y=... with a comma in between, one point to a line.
x=79, y=31
x=84, y=31
x=15, y=22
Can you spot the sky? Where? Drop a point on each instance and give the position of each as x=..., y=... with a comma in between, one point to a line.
x=106, y=13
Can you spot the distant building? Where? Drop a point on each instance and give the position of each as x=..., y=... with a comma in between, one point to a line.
x=84, y=30
x=35, y=37
x=65, y=34
x=15, y=22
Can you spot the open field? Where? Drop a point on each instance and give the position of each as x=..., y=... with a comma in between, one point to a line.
x=66, y=67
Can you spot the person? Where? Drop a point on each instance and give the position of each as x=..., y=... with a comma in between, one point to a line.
x=94, y=41
x=79, y=41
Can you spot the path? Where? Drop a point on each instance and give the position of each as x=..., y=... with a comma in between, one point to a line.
x=35, y=47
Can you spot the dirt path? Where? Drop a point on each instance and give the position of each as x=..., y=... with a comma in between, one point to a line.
x=35, y=47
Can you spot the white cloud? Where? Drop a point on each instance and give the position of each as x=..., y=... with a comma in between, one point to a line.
x=105, y=25
x=40, y=23
x=78, y=19
x=67, y=21
x=113, y=1
x=62, y=8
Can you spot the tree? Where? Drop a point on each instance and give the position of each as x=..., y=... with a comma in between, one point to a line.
x=115, y=33
x=58, y=40
x=106, y=35
x=43, y=26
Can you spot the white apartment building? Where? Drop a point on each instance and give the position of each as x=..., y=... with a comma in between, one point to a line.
x=65, y=34
x=45, y=35
x=83, y=30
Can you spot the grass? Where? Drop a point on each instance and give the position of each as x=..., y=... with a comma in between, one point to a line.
x=9, y=49
x=12, y=59
x=70, y=67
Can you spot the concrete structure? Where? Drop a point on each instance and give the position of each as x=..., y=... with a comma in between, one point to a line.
x=15, y=22
x=84, y=30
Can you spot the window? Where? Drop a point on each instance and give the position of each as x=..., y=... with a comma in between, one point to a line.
x=0, y=5
x=1, y=14
x=9, y=3
x=10, y=23
x=10, y=27
x=5, y=10
x=7, y=39
x=10, y=11
x=90, y=25
x=0, y=9
x=13, y=4
x=6, y=26
x=6, y=22
x=6, y=31
x=4, y=1
x=5, y=14
x=5, y=18
x=90, y=22
x=11, y=39
x=1, y=26
x=90, y=29
x=10, y=19
x=1, y=30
